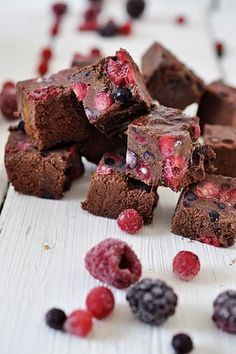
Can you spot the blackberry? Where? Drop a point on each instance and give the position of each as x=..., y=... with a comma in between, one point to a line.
x=152, y=301
x=135, y=8
x=182, y=343
x=109, y=30
x=55, y=318
x=224, y=314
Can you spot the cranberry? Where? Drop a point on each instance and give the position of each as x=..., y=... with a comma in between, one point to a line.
x=95, y=53
x=181, y=20
x=8, y=103
x=89, y=26
x=100, y=302
x=59, y=8
x=81, y=90
x=207, y=190
x=125, y=29
x=166, y=145
x=135, y=8
x=130, y=221
x=79, y=323
x=43, y=68
x=110, y=29
x=46, y=53
x=219, y=48
x=55, y=29
x=102, y=101
x=186, y=265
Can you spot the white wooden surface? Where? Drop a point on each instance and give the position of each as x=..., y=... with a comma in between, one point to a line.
x=43, y=242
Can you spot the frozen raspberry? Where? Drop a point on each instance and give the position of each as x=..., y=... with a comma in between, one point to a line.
x=182, y=343
x=130, y=221
x=152, y=301
x=59, y=8
x=219, y=48
x=123, y=95
x=79, y=323
x=95, y=53
x=89, y=26
x=181, y=20
x=81, y=90
x=207, y=190
x=135, y=8
x=113, y=262
x=92, y=12
x=174, y=171
x=100, y=302
x=120, y=72
x=8, y=103
x=125, y=29
x=46, y=53
x=224, y=314
x=186, y=265
x=166, y=145
x=55, y=318
x=144, y=172
x=110, y=29
x=131, y=159
x=210, y=241
x=43, y=68
x=102, y=101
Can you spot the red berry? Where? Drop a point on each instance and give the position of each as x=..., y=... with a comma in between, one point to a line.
x=219, y=48
x=180, y=20
x=8, y=84
x=186, y=265
x=46, y=53
x=102, y=101
x=207, y=190
x=210, y=241
x=95, y=53
x=125, y=29
x=55, y=29
x=166, y=145
x=120, y=71
x=100, y=302
x=130, y=221
x=79, y=323
x=43, y=68
x=80, y=89
x=8, y=103
x=89, y=26
x=92, y=12
x=59, y=8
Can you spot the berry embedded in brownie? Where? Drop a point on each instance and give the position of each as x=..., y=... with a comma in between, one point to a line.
x=218, y=105
x=206, y=211
x=222, y=139
x=111, y=192
x=113, y=92
x=163, y=149
x=169, y=80
x=43, y=174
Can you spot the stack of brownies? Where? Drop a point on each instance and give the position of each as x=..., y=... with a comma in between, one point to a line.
x=105, y=113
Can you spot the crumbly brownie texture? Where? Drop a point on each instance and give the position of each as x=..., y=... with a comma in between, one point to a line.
x=163, y=149
x=206, y=211
x=168, y=80
x=44, y=174
x=113, y=92
x=222, y=139
x=218, y=105
x=111, y=192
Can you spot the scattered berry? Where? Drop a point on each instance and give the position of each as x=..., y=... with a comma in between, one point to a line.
x=92, y=13
x=135, y=8
x=95, y=53
x=123, y=95
x=182, y=343
x=55, y=318
x=109, y=30
x=100, y=302
x=113, y=262
x=89, y=26
x=125, y=29
x=186, y=265
x=79, y=323
x=219, y=48
x=55, y=28
x=152, y=301
x=8, y=103
x=130, y=221
x=224, y=314
x=43, y=68
x=46, y=53
x=181, y=20
x=59, y=9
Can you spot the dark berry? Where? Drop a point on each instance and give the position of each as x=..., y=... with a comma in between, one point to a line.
x=221, y=206
x=113, y=262
x=109, y=30
x=130, y=221
x=21, y=126
x=180, y=20
x=182, y=343
x=55, y=318
x=123, y=95
x=79, y=323
x=59, y=8
x=186, y=265
x=43, y=68
x=224, y=314
x=152, y=301
x=214, y=216
x=46, y=53
x=8, y=103
x=188, y=198
x=135, y=8
x=219, y=48
x=100, y=302
x=109, y=161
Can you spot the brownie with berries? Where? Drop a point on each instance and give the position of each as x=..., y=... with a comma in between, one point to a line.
x=163, y=149
x=113, y=92
x=169, y=80
x=218, y=105
x=44, y=174
x=222, y=139
x=206, y=211
x=111, y=192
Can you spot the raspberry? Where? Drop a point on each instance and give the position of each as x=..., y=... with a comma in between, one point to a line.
x=79, y=323
x=110, y=29
x=210, y=241
x=144, y=172
x=89, y=26
x=207, y=190
x=119, y=71
x=130, y=221
x=43, y=68
x=174, y=171
x=125, y=29
x=95, y=53
x=92, y=12
x=55, y=318
x=135, y=8
x=81, y=90
x=113, y=262
x=152, y=301
x=59, y=8
x=219, y=48
x=181, y=20
x=46, y=53
x=224, y=314
x=186, y=265
x=8, y=104
x=123, y=95
x=182, y=343
x=102, y=101
x=100, y=302
x=166, y=145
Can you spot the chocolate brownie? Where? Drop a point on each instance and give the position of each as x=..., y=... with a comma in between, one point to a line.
x=163, y=149
x=218, y=105
x=168, y=80
x=222, y=139
x=44, y=174
x=206, y=211
x=111, y=192
x=113, y=92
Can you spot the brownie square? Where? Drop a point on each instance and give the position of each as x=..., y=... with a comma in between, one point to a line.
x=163, y=149
x=206, y=211
x=218, y=105
x=222, y=139
x=111, y=192
x=43, y=174
x=168, y=80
